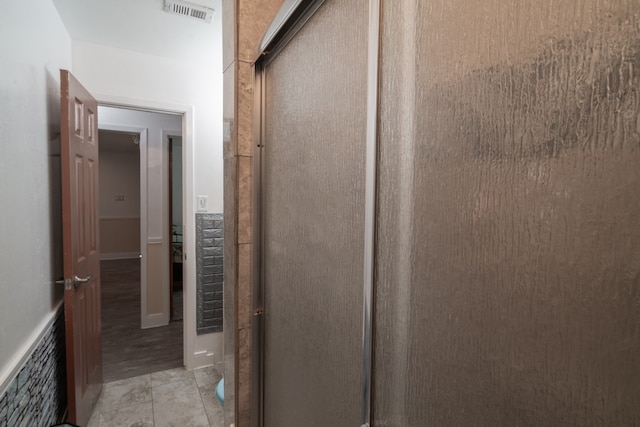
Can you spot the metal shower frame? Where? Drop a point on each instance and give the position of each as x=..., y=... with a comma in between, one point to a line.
x=291, y=17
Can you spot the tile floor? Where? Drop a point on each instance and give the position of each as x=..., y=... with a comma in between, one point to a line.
x=172, y=398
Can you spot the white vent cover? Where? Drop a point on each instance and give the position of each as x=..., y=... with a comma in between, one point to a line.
x=179, y=7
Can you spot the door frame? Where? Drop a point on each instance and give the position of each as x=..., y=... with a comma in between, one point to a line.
x=167, y=135
x=142, y=145
x=192, y=358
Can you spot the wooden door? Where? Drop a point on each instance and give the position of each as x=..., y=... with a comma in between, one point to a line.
x=79, y=141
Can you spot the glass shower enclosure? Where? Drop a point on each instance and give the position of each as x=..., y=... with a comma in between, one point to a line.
x=450, y=213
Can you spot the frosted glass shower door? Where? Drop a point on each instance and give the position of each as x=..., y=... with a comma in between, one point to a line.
x=312, y=221
x=508, y=245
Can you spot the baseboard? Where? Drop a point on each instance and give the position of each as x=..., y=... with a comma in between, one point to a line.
x=119, y=255
x=200, y=359
x=11, y=369
x=154, y=320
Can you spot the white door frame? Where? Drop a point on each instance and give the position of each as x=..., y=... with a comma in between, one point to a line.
x=142, y=147
x=192, y=358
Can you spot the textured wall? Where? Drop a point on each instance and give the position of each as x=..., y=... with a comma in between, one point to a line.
x=34, y=46
x=209, y=244
x=508, y=286
x=37, y=396
x=313, y=177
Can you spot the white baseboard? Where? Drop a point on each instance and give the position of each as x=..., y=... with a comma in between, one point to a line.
x=200, y=359
x=119, y=255
x=154, y=320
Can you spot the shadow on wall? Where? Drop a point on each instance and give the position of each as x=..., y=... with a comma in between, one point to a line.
x=55, y=183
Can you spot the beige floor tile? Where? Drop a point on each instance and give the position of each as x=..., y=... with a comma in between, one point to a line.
x=172, y=398
x=170, y=376
x=94, y=421
x=178, y=404
x=121, y=394
x=213, y=408
x=207, y=377
x=131, y=416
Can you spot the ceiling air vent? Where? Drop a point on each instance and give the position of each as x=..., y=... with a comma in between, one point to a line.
x=178, y=7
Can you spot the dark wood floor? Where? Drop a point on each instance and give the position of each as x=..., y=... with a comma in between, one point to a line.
x=127, y=350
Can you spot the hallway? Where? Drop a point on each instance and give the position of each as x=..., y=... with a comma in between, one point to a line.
x=127, y=350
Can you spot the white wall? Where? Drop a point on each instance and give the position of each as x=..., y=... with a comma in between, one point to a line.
x=119, y=197
x=119, y=176
x=33, y=47
x=124, y=77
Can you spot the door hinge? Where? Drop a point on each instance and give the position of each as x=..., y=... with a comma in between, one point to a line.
x=258, y=312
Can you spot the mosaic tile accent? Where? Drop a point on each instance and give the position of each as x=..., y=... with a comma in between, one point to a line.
x=37, y=396
x=209, y=242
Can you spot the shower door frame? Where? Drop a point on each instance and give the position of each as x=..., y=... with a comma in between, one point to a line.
x=292, y=17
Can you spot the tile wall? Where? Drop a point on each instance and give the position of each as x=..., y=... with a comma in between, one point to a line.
x=209, y=248
x=244, y=23
x=37, y=396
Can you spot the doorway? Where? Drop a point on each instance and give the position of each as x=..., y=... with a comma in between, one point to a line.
x=139, y=336
x=176, y=252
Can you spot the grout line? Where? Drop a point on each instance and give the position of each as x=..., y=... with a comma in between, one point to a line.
x=153, y=409
x=204, y=408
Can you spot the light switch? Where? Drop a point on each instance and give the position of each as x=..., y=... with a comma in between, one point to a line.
x=202, y=203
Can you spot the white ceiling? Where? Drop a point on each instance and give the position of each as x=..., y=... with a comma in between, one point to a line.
x=142, y=26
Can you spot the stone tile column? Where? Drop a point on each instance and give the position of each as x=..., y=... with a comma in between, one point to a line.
x=244, y=23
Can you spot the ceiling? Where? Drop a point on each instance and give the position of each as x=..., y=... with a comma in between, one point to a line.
x=143, y=26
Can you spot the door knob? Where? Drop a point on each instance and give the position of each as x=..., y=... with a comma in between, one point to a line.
x=79, y=280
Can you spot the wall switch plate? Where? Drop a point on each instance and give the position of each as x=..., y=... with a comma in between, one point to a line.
x=202, y=203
